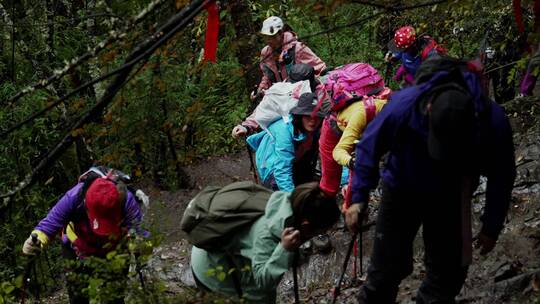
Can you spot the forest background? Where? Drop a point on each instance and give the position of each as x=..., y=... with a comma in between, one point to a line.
x=169, y=108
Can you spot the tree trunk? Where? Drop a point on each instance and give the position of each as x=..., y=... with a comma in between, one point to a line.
x=51, y=14
x=12, y=70
x=181, y=177
x=247, y=49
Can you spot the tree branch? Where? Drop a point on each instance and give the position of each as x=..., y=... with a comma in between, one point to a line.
x=114, y=36
x=143, y=51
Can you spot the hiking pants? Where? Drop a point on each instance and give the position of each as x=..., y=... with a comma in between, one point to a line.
x=399, y=219
x=331, y=170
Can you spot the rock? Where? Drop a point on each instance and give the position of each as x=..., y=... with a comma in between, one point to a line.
x=506, y=271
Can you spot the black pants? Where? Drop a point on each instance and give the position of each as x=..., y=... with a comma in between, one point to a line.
x=400, y=217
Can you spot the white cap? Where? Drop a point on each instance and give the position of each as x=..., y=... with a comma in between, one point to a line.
x=271, y=26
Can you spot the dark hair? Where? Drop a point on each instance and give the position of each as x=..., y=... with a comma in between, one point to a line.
x=309, y=202
x=298, y=126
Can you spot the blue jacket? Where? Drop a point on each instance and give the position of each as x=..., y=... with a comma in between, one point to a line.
x=412, y=62
x=275, y=153
x=401, y=129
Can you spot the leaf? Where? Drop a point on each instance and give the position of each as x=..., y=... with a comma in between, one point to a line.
x=19, y=281
x=49, y=180
x=211, y=272
x=181, y=3
x=222, y=276
x=76, y=132
x=7, y=287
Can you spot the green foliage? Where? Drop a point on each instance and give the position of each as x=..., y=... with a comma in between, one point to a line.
x=175, y=102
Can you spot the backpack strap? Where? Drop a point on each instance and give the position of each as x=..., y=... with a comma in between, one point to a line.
x=269, y=73
x=292, y=54
x=371, y=108
x=235, y=274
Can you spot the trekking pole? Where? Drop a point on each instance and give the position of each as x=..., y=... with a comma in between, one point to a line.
x=348, y=200
x=252, y=164
x=36, y=285
x=387, y=73
x=295, y=276
x=28, y=269
x=337, y=289
x=360, y=251
x=140, y=274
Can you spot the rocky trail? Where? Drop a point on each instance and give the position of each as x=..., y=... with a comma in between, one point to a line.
x=510, y=274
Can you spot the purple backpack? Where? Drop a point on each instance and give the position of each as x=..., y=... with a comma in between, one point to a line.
x=350, y=83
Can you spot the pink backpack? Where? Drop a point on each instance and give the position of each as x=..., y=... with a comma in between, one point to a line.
x=350, y=83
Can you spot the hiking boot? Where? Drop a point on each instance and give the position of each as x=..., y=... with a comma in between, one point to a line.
x=321, y=243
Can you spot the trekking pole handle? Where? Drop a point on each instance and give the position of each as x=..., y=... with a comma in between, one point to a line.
x=35, y=239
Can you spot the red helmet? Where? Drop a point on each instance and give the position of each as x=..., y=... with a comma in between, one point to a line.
x=404, y=37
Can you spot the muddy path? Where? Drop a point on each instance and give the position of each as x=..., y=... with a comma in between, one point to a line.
x=510, y=274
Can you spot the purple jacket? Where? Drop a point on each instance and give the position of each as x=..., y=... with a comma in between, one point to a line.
x=402, y=130
x=68, y=207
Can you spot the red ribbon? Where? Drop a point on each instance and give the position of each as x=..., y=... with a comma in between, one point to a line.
x=212, y=32
x=518, y=14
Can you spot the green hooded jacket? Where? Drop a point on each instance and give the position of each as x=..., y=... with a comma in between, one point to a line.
x=257, y=252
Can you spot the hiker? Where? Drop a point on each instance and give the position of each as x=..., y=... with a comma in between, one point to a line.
x=92, y=217
x=529, y=79
x=286, y=153
x=440, y=135
x=411, y=51
x=337, y=141
x=298, y=72
x=357, y=94
x=282, y=51
x=264, y=251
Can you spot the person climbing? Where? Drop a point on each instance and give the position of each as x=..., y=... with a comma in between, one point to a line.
x=411, y=51
x=441, y=135
x=298, y=72
x=264, y=250
x=339, y=132
x=286, y=153
x=529, y=79
x=282, y=51
x=93, y=217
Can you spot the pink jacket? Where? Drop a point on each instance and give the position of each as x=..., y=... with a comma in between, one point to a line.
x=303, y=54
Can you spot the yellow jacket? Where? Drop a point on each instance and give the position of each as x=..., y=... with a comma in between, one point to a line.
x=352, y=122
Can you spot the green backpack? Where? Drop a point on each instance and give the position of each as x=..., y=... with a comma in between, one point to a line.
x=216, y=213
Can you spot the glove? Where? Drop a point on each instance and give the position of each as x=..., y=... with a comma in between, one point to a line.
x=388, y=57
x=353, y=214
x=238, y=131
x=256, y=94
x=351, y=163
x=143, y=198
x=32, y=245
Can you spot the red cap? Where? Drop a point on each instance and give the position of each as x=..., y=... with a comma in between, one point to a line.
x=104, y=208
x=404, y=37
